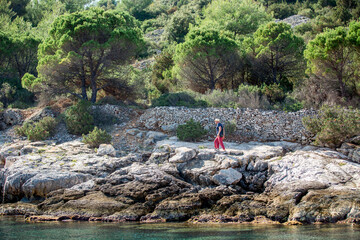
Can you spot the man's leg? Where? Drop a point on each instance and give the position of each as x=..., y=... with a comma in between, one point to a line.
x=216, y=143
x=221, y=143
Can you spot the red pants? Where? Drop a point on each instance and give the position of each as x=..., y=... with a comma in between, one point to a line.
x=219, y=140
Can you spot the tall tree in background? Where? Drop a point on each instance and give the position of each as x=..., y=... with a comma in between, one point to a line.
x=136, y=8
x=334, y=62
x=206, y=59
x=84, y=52
x=278, y=53
x=241, y=17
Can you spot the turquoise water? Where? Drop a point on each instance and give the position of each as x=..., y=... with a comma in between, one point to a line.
x=16, y=228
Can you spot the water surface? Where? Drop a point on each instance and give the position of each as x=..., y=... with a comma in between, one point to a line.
x=16, y=228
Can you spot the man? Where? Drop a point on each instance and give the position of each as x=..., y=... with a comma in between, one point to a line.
x=220, y=135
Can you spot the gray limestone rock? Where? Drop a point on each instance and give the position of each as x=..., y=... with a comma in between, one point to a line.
x=227, y=177
x=12, y=117
x=183, y=154
x=106, y=149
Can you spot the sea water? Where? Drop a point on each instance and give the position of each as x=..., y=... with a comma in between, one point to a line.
x=16, y=228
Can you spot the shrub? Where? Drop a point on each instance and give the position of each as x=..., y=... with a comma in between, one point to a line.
x=78, y=118
x=190, y=131
x=247, y=96
x=282, y=10
x=230, y=127
x=291, y=105
x=103, y=118
x=96, y=137
x=19, y=105
x=273, y=92
x=333, y=125
x=178, y=99
x=38, y=131
x=111, y=100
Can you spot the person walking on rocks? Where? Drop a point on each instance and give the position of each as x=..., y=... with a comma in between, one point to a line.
x=220, y=135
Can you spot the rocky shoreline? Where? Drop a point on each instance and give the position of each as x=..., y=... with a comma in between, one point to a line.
x=161, y=179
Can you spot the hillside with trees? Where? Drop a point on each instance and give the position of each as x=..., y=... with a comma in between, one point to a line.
x=233, y=53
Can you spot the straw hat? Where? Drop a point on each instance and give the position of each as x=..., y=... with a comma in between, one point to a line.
x=217, y=120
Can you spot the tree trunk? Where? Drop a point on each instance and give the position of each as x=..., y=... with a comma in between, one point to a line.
x=342, y=86
x=93, y=90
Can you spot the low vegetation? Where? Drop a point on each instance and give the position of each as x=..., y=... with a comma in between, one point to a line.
x=78, y=118
x=37, y=131
x=333, y=125
x=96, y=137
x=190, y=131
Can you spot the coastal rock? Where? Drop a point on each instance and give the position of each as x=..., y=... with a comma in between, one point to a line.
x=355, y=156
x=35, y=184
x=106, y=149
x=227, y=177
x=38, y=115
x=155, y=136
x=175, y=181
x=183, y=154
x=12, y=117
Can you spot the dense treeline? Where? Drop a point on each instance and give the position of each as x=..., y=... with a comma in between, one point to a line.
x=232, y=53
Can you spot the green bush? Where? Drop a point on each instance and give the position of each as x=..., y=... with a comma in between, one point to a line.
x=282, y=10
x=333, y=125
x=19, y=105
x=96, y=137
x=38, y=131
x=190, y=131
x=273, y=92
x=230, y=127
x=102, y=118
x=109, y=100
x=291, y=105
x=178, y=99
x=78, y=118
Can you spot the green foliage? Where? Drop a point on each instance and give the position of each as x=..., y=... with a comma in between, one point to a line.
x=206, y=60
x=177, y=99
x=96, y=137
x=162, y=70
x=333, y=125
x=333, y=62
x=38, y=131
x=29, y=81
x=102, y=118
x=230, y=127
x=19, y=104
x=78, y=118
x=84, y=51
x=291, y=105
x=178, y=25
x=137, y=8
x=277, y=54
x=7, y=93
x=241, y=17
x=273, y=92
x=247, y=96
x=190, y=131
x=282, y=10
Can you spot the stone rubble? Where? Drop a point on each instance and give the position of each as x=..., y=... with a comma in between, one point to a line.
x=251, y=124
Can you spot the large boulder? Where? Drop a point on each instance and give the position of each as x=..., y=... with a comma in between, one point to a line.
x=39, y=184
x=227, y=177
x=183, y=154
x=106, y=149
x=12, y=117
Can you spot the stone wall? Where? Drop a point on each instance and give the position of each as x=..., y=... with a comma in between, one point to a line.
x=251, y=124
